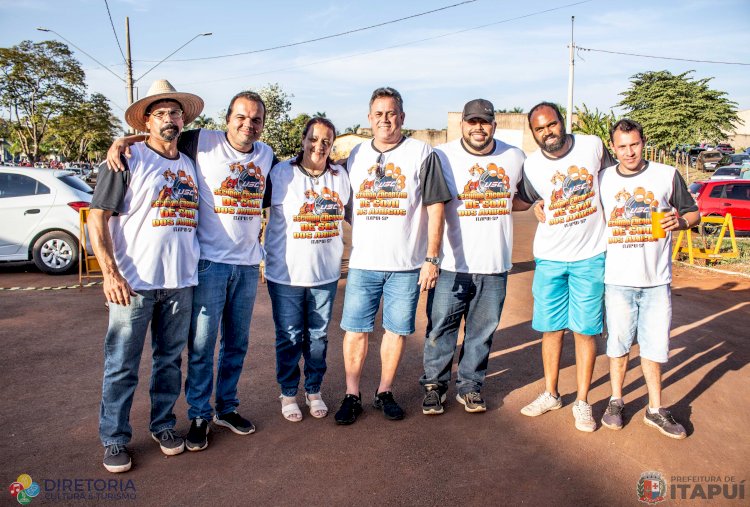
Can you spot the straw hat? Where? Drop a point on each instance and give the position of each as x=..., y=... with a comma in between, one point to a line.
x=192, y=105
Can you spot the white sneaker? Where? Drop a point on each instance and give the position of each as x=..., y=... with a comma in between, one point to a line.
x=584, y=419
x=543, y=403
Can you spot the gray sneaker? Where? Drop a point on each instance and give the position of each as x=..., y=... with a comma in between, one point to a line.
x=472, y=402
x=584, y=419
x=664, y=422
x=612, y=418
x=434, y=398
x=543, y=403
x=170, y=442
x=116, y=459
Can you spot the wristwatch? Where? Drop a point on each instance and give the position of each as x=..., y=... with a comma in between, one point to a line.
x=433, y=260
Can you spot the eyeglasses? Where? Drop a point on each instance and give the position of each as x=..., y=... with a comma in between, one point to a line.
x=162, y=113
x=380, y=170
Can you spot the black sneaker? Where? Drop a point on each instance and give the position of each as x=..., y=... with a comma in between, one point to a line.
x=472, y=402
x=384, y=401
x=664, y=422
x=197, y=437
x=351, y=407
x=169, y=442
x=235, y=422
x=116, y=459
x=434, y=398
x=612, y=418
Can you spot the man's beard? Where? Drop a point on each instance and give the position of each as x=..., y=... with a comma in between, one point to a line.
x=169, y=132
x=556, y=145
x=478, y=146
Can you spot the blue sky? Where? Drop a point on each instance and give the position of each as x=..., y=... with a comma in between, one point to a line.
x=517, y=62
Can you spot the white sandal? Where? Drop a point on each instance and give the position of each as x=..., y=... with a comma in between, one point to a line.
x=317, y=406
x=291, y=411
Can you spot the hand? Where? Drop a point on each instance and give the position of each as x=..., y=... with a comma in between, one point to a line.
x=670, y=222
x=539, y=212
x=428, y=276
x=119, y=147
x=117, y=290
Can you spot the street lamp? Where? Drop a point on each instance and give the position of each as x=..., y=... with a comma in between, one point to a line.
x=128, y=80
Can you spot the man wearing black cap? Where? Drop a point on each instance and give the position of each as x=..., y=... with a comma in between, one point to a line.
x=482, y=174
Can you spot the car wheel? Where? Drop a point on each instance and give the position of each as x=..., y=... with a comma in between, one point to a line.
x=55, y=252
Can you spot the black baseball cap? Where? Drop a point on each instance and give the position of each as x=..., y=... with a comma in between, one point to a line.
x=479, y=108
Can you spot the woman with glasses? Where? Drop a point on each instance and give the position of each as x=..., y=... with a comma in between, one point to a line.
x=304, y=244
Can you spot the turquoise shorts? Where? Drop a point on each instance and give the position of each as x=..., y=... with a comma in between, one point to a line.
x=569, y=295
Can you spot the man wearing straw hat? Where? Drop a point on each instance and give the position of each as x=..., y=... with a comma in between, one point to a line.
x=143, y=224
x=231, y=168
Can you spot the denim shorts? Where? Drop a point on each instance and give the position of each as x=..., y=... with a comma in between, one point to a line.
x=364, y=289
x=645, y=312
x=569, y=295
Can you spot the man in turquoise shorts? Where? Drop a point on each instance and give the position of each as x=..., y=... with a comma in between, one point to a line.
x=569, y=249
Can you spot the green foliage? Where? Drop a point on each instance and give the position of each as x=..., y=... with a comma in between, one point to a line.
x=85, y=130
x=276, y=132
x=205, y=122
x=594, y=123
x=678, y=109
x=516, y=109
x=38, y=81
x=353, y=129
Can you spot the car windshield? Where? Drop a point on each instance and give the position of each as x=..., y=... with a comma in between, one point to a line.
x=76, y=183
x=739, y=158
x=727, y=171
x=695, y=187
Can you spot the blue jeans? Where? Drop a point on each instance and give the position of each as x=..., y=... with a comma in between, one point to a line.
x=301, y=316
x=225, y=296
x=168, y=313
x=365, y=287
x=476, y=298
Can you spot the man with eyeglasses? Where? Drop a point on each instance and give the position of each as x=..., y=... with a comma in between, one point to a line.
x=482, y=173
x=397, y=227
x=145, y=241
x=232, y=167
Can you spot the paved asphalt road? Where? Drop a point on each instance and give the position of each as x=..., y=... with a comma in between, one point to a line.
x=51, y=370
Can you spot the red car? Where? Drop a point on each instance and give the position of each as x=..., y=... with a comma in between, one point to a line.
x=717, y=198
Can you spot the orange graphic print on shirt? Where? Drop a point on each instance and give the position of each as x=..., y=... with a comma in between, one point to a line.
x=381, y=191
x=241, y=191
x=486, y=192
x=572, y=196
x=630, y=220
x=177, y=202
x=320, y=215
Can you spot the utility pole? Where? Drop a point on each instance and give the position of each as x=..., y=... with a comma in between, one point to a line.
x=569, y=112
x=128, y=63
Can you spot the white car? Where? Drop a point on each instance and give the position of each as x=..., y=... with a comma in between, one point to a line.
x=40, y=217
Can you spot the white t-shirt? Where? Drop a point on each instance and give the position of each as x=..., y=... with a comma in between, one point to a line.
x=304, y=236
x=231, y=184
x=634, y=257
x=478, y=235
x=154, y=233
x=389, y=226
x=574, y=227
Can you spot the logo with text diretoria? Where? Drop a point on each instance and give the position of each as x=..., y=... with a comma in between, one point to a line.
x=24, y=489
x=651, y=487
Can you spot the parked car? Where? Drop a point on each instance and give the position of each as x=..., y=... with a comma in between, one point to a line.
x=39, y=210
x=708, y=160
x=693, y=155
x=725, y=148
x=717, y=198
x=728, y=172
x=737, y=159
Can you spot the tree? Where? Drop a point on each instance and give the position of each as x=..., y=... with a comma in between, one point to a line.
x=276, y=130
x=516, y=109
x=678, y=109
x=594, y=123
x=203, y=122
x=37, y=82
x=353, y=129
x=88, y=127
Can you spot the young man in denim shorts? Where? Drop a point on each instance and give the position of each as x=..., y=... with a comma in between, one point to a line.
x=397, y=228
x=569, y=249
x=638, y=299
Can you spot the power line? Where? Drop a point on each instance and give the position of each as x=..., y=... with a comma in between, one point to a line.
x=113, y=30
x=661, y=57
x=348, y=32
x=507, y=20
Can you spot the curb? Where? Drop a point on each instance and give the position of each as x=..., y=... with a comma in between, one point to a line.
x=714, y=270
x=76, y=286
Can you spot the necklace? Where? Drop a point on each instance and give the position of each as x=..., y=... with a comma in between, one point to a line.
x=314, y=177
